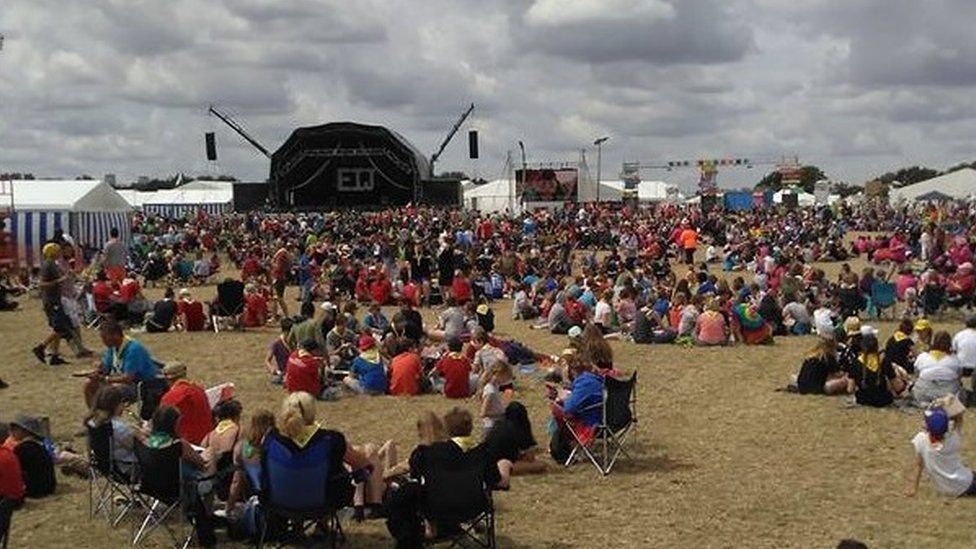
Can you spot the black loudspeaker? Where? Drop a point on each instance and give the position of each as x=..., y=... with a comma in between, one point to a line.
x=709, y=202
x=211, y=140
x=790, y=201
x=473, y=143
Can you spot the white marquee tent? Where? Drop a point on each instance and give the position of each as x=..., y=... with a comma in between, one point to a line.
x=85, y=210
x=209, y=196
x=960, y=184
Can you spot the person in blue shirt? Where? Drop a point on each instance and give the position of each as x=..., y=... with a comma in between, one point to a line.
x=126, y=362
x=366, y=373
x=582, y=402
x=375, y=321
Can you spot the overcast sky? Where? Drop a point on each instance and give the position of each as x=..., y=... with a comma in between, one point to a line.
x=855, y=86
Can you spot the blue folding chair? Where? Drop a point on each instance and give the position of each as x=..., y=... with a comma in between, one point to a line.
x=883, y=298
x=299, y=488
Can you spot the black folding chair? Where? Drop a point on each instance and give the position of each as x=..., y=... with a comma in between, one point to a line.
x=159, y=490
x=933, y=299
x=618, y=416
x=455, y=492
x=229, y=303
x=108, y=478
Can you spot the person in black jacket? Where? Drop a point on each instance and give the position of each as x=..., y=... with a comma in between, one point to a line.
x=36, y=463
x=821, y=373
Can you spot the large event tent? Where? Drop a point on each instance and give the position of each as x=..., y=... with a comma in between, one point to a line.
x=960, y=184
x=212, y=197
x=86, y=210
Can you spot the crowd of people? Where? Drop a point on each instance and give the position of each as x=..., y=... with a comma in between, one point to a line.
x=667, y=275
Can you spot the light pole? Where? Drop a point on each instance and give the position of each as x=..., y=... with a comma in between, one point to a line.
x=599, y=158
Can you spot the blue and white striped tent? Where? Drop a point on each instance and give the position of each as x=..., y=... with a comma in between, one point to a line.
x=86, y=210
x=213, y=198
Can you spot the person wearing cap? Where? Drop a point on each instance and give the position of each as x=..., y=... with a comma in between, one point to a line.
x=314, y=328
x=125, y=363
x=938, y=449
x=191, y=314
x=938, y=371
x=304, y=371
x=375, y=321
x=367, y=375
x=49, y=285
x=923, y=335
x=964, y=345
x=36, y=462
x=196, y=418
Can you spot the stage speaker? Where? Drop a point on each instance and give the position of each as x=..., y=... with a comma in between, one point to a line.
x=473, y=144
x=790, y=201
x=211, y=140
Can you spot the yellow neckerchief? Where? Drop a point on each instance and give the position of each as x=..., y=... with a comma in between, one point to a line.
x=937, y=355
x=871, y=362
x=117, y=354
x=900, y=336
x=465, y=443
x=458, y=355
x=302, y=353
x=224, y=426
x=306, y=435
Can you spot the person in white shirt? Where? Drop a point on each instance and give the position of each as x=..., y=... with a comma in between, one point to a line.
x=964, y=344
x=937, y=452
x=823, y=321
x=938, y=371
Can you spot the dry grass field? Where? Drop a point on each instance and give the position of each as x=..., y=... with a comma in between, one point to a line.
x=721, y=460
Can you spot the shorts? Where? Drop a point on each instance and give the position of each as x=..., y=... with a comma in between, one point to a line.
x=58, y=320
x=279, y=287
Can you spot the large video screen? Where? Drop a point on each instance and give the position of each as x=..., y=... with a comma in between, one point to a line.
x=547, y=184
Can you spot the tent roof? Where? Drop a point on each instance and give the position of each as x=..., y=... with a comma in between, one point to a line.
x=957, y=184
x=182, y=196
x=68, y=195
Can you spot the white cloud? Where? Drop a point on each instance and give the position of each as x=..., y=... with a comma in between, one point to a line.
x=561, y=12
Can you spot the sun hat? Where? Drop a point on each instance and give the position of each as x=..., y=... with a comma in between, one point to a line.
x=575, y=332
x=922, y=324
x=936, y=421
x=174, y=370
x=184, y=292
x=482, y=309
x=30, y=424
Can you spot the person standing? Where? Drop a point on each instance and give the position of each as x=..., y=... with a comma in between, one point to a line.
x=280, y=269
x=688, y=238
x=51, y=279
x=113, y=256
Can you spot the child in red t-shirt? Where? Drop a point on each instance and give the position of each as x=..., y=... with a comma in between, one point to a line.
x=455, y=368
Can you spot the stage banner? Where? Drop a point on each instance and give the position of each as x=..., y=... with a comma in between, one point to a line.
x=547, y=185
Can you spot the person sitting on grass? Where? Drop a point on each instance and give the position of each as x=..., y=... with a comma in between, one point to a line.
x=405, y=370
x=36, y=462
x=191, y=314
x=820, y=373
x=304, y=371
x=367, y=375
x=492, y=405
x=710, y=327
x=898, y=348
x=511, y=445
x=375, y=321
x=340, y=343
x=278, y=352
x=255, y=307
x=939, y=371
x=937, y=452
x=454, y=368
x=163, y=314
x=875, y=383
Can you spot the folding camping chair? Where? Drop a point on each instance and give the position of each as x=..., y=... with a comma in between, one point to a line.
x=933, y=299
x=618, y=416
x=851, y=301
x=456, y=492
x=883, y=297
x=107, y=478
x=229, y=304
x=159, y=491
x=295, y=485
